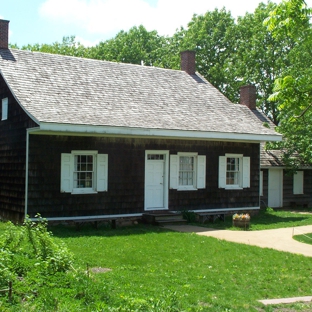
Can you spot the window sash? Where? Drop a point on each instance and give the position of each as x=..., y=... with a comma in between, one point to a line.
x=233, y=172
x=186, y=170
x=83, y=171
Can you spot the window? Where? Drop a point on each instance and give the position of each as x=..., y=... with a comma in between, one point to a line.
x=187, y=171
x=234, y=171
x=5, y=109
x=83, y=172
x=298, y=182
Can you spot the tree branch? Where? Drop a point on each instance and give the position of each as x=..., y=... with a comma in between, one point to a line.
x=303, y=112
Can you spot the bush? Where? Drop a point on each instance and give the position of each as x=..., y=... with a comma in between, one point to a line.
x=31, y=248
x=189, y=216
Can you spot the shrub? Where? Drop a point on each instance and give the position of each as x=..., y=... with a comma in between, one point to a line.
x=28, y=248
x=189, y=216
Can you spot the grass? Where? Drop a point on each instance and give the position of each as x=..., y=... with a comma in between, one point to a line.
x=269, y=219
x=198, y=273
x=153, y=269
x=304, y=238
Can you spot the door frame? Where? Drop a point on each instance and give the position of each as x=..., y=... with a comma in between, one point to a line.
x=280, y=178
x=166, y=178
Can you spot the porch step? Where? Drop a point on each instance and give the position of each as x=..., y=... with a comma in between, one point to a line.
x=172, y=222
x=163, y=218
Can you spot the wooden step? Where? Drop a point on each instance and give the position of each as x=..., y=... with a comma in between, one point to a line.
x=172, y=222
x=158, y=218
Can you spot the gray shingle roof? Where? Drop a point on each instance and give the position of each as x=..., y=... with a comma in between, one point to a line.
x=270, y=158
x=68, y=90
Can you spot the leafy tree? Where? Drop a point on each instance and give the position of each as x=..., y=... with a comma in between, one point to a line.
x=135, y=46
x=293, y=90
x=260, y=57
x=68, y=46
x=213, y=36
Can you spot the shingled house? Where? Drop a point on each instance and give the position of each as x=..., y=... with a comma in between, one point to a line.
x=82, y=138
x=281, y=187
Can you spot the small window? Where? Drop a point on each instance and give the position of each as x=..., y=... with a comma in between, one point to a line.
x=234, y=171
x=155, y=157
x=298, y=182
x=83, y=172
x=4, y=109
x=187, y=171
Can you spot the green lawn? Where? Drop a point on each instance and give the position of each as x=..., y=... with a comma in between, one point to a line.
x=153, y=269
x=269, y=219
x=304, y=238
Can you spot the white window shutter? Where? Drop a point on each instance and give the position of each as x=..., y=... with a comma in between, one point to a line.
x=298, y=182
x=201, y=172
x=66, y=173
x=222, y=171
x=246, y=171
x=102, y=165
x=174, y=171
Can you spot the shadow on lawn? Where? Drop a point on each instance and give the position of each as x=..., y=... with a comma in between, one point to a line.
x=257, y=222
x=63, y=231
x=262, y=219
x=266, y=218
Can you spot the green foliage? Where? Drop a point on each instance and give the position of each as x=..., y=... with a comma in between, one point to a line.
x=189, y=216
x=68, y=46
x=293, y=87
x=135, y=46
x=260, y=58
x=30, y=250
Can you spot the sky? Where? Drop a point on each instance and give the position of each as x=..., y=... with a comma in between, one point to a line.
x=92, y=21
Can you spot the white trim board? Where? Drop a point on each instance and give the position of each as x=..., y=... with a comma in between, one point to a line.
x=117, y=216
x=69, y=129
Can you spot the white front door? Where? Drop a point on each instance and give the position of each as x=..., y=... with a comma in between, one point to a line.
x=275, y=188
x=156, y=181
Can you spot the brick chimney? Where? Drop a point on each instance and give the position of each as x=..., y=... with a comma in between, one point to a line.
x=188, y=62
x=4, y=34
x=248, y=96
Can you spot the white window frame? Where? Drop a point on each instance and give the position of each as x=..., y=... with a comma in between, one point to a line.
x=199, y=172
x=298, y=183
x=243, y=171
x=5, y=106
x=99, y=181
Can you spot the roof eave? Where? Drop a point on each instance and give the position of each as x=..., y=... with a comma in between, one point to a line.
x=91, y=130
